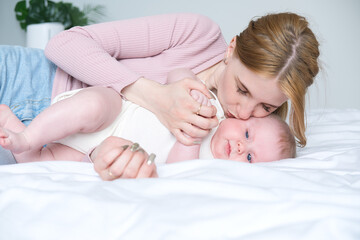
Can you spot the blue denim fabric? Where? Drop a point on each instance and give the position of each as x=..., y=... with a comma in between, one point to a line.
x=6, y=157
x=26, y=80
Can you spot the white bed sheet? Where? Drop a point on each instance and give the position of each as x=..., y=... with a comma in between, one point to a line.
x=315, y=196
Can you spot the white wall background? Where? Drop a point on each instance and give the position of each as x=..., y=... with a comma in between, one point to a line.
x=335, y=22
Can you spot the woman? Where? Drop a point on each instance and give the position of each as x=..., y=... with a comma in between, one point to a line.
x=274, y=59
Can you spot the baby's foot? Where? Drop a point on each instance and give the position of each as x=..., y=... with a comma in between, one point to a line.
x=15, y=142
x=200, y=97
x=9, y=120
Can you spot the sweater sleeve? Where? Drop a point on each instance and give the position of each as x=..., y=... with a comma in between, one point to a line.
x=93, y=54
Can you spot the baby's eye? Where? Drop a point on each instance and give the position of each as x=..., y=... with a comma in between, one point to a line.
x=247, y=134
x=249, y=158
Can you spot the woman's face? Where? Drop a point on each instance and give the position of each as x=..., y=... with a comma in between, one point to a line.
x=244, y=94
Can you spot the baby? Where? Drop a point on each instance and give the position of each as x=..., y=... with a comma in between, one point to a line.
x=80, y=120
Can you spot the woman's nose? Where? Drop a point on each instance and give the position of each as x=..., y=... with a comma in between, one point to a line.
x=245, y=111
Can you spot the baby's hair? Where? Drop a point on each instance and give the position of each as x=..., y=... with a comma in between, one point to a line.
x=286, y=142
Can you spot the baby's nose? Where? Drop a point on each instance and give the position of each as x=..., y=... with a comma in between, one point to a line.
x=240, y=147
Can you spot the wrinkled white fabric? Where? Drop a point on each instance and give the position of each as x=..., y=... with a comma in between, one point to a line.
x=314, y=196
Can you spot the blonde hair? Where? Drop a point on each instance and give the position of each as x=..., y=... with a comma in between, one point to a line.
x=282, y=46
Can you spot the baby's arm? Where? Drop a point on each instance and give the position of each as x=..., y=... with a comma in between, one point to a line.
x=181, y=152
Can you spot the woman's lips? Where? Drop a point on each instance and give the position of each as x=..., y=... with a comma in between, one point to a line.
x=229, y=115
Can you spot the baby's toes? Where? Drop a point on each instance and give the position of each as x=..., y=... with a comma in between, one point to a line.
x=206, y=101
x=3, y=133
x=5, y=143
x=4, y=138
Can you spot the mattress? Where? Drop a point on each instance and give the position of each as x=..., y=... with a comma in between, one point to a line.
x=313, y=196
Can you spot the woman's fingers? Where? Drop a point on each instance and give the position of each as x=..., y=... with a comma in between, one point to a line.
x=148, y=168
x=113, y=161
x=202, y=122
x=129, y=163
x=199, y=126
x=196, y=126
x=103, y=161
x=205, y=110
x=117, y=169
x=141, y=165
x=196, y=135
x=180, y=136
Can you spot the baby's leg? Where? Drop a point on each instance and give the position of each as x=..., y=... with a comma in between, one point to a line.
x=53, y=151
x=90, y=110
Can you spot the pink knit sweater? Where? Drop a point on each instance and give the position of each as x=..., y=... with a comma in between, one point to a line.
x=118, y=53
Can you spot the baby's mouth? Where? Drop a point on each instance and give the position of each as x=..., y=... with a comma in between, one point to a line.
x=228, y=149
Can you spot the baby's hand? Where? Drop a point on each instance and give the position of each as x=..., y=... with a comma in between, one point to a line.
x=200, y=97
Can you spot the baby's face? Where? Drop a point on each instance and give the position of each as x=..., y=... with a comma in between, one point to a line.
x=253, y=140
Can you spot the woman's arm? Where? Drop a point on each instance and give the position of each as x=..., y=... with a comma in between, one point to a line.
x=100, y=55
x=97, y=54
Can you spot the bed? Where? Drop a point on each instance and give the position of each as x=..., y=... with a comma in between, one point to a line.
x=314, y=196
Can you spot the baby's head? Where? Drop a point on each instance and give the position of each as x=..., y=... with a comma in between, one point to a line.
x=254, y=140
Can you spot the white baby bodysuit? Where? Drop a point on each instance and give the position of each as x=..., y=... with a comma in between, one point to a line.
x=139, y=125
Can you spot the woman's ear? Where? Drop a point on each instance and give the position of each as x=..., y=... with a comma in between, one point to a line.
x=230, y=49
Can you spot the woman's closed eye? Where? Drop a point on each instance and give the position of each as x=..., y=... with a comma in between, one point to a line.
x=266, y=108
x=241, y=91
x=240, y=87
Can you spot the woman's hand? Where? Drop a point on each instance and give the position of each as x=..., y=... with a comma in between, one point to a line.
x=175, y=107
x=119, y=158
